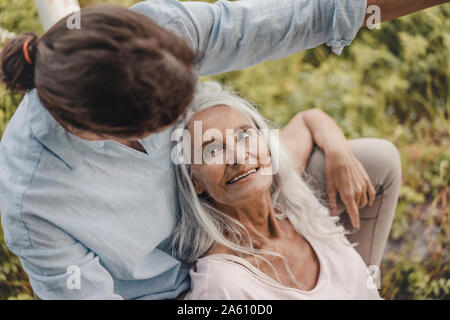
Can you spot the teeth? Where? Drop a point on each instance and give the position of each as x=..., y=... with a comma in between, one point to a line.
x=242, y=176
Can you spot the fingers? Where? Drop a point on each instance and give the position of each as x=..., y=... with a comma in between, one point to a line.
x=372, y=194
x=368, y=195
x=369, y=189
x=352, y=210
x=363, y=199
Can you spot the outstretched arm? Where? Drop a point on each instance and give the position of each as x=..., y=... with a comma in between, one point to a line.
x=232, y=35
x=391, y=9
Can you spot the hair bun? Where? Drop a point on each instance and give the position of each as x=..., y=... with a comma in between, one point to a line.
x=16, y=72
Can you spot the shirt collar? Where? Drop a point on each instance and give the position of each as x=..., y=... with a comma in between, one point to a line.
x=49, y=132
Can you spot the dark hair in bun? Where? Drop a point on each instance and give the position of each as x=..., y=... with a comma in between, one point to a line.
x=119, y=74
x=16, y=72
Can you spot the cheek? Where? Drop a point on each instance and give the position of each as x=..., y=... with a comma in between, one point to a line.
x=208, y=177
x=258, y=149
x=266, y=181
x=263, y=155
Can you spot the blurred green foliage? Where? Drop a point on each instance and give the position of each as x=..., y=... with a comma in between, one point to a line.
x=390, y=83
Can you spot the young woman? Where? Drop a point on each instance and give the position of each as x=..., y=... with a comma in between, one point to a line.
x=253, y=228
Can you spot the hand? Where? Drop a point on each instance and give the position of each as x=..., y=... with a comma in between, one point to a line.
x=347, y=176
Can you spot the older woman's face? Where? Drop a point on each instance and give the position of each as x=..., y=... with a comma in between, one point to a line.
x=233, y=156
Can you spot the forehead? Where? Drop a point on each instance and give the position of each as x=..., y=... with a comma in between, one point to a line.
x=220, y=117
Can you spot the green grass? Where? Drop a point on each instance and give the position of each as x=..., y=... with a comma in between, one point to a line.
x=391, y=83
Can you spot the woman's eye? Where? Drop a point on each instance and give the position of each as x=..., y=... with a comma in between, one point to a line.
x=244, y=135
x=211, y=151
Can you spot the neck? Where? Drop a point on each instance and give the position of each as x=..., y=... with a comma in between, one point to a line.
x=257, y=215
x=96, y=137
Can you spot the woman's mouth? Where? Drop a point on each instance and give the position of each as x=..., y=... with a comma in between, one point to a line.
x=242, y=175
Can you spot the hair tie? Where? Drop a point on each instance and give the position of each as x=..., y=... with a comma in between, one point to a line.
x=26, y=54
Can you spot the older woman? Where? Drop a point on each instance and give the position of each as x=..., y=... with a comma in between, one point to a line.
x=253, y=227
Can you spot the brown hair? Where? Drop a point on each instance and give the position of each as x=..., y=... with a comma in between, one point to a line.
x=120, y=74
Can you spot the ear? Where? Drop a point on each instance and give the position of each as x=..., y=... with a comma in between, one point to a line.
x=198, y=189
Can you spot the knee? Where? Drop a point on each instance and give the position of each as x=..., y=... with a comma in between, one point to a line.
x=387, y=160
x=390, y=155
x=381, y=159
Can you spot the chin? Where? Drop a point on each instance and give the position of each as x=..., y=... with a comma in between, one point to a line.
x=257, y=186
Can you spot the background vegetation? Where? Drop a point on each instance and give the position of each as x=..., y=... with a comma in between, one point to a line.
x=390, y=83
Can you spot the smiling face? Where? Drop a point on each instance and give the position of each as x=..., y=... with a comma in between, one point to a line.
x=233, y=156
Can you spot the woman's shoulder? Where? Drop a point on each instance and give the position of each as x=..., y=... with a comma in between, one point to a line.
x=216, y=278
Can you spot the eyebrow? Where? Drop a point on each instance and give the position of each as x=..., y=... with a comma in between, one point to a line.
x=245, y=126
x=208, y=142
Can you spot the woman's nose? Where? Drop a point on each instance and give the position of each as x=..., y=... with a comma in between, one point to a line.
x=237, y=155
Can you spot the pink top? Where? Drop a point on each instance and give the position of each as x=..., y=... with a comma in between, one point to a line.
x=343, y=275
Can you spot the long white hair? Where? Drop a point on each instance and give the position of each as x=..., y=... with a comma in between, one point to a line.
x=201, y=226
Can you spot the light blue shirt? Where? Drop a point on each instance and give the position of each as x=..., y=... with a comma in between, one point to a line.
x=109, y=210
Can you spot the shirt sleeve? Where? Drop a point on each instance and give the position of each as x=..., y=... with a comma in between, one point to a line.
x=60, y=267
x=234, y=35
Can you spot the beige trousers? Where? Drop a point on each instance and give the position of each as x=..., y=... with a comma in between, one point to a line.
x=381, y=160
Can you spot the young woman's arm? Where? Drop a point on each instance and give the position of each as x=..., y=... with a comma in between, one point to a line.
x=232, y=35
x=60, y=267
x=344, y=173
